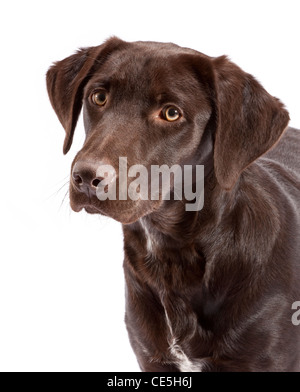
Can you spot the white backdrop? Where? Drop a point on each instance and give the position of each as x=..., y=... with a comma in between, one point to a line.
x=61, y=278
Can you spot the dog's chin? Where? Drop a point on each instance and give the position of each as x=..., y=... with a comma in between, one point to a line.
x=122, y=211
x=92, y=210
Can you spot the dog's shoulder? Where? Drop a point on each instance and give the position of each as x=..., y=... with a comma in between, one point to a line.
x=281, y=164
x=286, y=152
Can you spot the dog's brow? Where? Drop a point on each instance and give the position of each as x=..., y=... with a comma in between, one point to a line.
x=101, y=83
x=166, y=96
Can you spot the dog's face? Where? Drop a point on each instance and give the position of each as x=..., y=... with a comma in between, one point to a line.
x=153, y=104
x=150, y=109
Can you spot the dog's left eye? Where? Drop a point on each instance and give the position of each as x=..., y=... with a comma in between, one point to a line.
x=99, y=98
x=171, y=113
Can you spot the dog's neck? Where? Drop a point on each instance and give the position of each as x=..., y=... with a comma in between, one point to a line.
x=185, y=234
x=163, y=247
x=171, y=228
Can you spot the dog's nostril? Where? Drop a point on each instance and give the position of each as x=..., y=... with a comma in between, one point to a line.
x=77, y=179
x=96, y=182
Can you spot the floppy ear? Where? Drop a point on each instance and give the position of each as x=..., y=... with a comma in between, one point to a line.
x=249, y=121
x=66, y=80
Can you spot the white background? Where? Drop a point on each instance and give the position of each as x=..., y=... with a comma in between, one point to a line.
x=61, y=278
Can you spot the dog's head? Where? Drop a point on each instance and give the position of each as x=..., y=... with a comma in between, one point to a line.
x=156, y=104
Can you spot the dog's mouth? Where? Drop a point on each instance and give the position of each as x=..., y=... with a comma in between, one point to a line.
x=123, y=211
x=88, y=206
x=79, y=202
x=90, y=209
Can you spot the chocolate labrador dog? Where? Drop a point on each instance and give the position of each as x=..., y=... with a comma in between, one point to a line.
x=208, y=289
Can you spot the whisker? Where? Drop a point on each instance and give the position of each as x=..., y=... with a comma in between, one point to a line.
x=61, y=180
x=64, y=198
x=56, y=192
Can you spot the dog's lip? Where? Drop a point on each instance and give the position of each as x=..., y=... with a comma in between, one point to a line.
x=92, y=209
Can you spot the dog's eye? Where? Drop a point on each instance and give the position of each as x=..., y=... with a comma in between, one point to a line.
x=171, y=113
x=99, y=98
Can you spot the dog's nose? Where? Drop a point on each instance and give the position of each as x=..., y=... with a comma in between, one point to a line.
x=84, y=176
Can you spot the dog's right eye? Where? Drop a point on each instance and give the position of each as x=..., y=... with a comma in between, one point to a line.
x=99, y=98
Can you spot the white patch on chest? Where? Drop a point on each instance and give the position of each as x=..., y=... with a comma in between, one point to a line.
x=150, y=239
x=181, y=359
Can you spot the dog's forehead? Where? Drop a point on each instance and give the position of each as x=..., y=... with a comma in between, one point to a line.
x=143, y=60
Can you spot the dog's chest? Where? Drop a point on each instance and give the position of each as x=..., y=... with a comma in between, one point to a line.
x=179, y=317
x=181, y=359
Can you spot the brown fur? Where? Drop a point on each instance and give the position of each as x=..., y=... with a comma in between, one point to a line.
x=224, y=277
